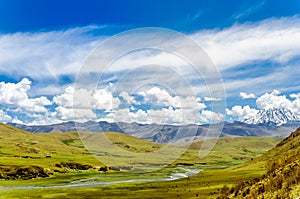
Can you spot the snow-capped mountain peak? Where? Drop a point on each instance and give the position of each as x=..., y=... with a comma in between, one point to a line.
x=273, y=117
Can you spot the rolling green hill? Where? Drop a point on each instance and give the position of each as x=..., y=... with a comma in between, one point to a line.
x=18, y=147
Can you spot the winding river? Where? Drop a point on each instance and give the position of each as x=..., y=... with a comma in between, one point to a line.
x=92, y=182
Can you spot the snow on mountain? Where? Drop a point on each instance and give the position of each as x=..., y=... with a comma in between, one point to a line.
x=273, y=117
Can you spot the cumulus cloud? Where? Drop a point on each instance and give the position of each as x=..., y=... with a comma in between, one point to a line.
x=125, y=115
x=160, y=116
x=128, y=99
x=273, y=100
x=80, y=104
x=296, y=96
x=65, y=99
x=156, y=95
x=207, y=116
x=80, y=115
x=15, y=95
x=17, y=121
x=164, y=116
x=244, y=95
x=104, y=100
x=242, y=113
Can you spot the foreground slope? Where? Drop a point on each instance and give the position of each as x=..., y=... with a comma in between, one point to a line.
x=282, y=179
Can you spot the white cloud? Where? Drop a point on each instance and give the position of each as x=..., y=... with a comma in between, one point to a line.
x=247, y=96
x=161, y=116
x=17, y=121
x=63, y=52
x=296, y=96
x=212, y=99
x=125, y=115
x=80, y=104
x=4, y=117
x=156, y=95
x=273, y=100
x=15, y=95
x=45, y=54
x=207, y=116
x=12, y=94
x=65, y=99
x=100, y=99
x=242, y=112
x=168, y=116
x=164, y=116
x=160, y=96
x=273, y=39
x=104, y=100
x=80, y=115
x=128, y=99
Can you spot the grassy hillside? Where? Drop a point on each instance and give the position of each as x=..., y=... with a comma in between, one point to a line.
x=230, y=151
x=18, y=147
x=282, y=179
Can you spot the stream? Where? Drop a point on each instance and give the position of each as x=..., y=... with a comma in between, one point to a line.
x=94, y=182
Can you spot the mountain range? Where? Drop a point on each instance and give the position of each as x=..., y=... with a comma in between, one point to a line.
x=168, y=133
x=268, y=123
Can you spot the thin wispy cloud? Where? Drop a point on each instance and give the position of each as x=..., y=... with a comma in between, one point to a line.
x=248, y=11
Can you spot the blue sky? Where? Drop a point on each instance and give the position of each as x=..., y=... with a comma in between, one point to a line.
x=185, y=16
x=254, y=45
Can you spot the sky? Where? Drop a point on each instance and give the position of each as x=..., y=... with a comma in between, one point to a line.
x=252, y=49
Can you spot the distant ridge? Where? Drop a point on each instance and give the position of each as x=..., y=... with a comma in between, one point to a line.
x=167, y=133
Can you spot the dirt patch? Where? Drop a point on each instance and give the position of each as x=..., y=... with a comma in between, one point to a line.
x=73, y=165
x=14, y=172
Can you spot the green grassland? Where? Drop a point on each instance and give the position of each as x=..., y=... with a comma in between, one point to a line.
x=230, y=159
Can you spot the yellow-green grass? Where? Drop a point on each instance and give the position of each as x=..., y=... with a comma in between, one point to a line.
x=67, y=147
x=229, y=151
x=15, y=144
